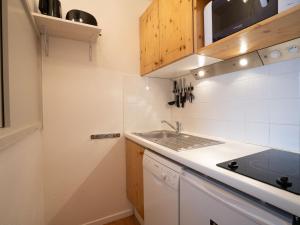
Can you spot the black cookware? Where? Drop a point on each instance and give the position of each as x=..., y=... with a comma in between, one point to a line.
x=57, y=9
x=81, y=17
x=44, y=6
x=50, y=7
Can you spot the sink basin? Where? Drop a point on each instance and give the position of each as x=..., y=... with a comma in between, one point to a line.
x=177, y=142
x=160, y=134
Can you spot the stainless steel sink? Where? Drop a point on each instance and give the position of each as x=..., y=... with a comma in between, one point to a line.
x=177, y=142
x=160, y=134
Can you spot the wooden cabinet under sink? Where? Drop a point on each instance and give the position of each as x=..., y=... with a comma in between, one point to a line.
x=134, y=175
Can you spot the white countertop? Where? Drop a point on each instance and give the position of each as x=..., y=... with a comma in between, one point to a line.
x=204, y=160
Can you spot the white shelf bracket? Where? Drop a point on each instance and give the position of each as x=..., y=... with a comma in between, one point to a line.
x=90, y=52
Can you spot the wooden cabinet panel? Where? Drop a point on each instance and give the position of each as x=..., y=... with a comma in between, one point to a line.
x=198, y=14
x=176, y=29
x=134, y=175
x=140, y=178
x=149, y=39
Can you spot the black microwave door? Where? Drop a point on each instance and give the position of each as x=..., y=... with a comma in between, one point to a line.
x=232, y=16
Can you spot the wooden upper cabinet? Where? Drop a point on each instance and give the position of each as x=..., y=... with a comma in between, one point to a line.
x=176, y=30
x=149, y=38
x=167, y=32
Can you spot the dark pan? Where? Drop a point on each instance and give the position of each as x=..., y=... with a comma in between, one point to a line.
x=81, y=17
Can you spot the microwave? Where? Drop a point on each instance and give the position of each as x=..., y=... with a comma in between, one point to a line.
x=225, y=17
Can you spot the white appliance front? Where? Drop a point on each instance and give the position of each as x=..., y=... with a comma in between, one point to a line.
x=204, y=202
x=161, y=190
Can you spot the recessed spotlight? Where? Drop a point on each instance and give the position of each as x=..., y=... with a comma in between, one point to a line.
x=243, y=62
x=201, y=73
x=275, y=54
x=147, y=87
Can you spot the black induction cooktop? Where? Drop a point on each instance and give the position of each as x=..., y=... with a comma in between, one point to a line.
x=278, y=168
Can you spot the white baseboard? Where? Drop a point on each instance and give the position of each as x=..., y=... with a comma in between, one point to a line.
x=138, y=217
x=111, y=218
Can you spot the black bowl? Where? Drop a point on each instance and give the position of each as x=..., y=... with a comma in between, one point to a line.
x=81, y=17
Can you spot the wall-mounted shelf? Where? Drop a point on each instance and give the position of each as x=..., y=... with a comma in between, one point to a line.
x=57, y=27
x=274, y=30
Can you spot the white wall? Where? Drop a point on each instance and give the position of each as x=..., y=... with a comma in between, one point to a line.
x=24, y=70
x=259, y=106
x=84, y=179
x=21, y=182
x=145, y=103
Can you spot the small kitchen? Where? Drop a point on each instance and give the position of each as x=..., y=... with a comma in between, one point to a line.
x=150, y=112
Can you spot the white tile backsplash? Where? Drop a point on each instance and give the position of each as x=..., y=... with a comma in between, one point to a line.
x=285, y=111
x=257, y=111
x=285, y=85
x=259, y=106
x=257, y=133
x=145, y=103
x=285, y=136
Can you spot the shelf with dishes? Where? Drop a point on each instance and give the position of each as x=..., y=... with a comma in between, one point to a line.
x=68, y=29
x=58, y=27
x=78, y=25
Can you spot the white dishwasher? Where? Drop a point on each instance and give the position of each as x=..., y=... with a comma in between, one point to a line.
x=161, y=190
x=206, y=202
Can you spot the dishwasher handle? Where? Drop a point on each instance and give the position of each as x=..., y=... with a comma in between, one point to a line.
x=227, y=202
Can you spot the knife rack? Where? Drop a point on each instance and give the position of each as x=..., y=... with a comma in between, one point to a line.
x=183, y=93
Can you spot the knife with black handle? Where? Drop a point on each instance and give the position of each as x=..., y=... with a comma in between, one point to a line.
x=183, y=99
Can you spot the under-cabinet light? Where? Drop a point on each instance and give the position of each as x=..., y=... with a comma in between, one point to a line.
x=243, y=62
x=147, y=84
x=201, y=73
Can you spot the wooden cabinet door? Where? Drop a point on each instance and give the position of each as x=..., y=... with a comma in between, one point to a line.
x=176, y=29
x=134, y=175
x=140, y=178
x=149, y=39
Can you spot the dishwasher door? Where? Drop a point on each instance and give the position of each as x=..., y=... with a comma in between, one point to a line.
x=161, y=193
x=204, y=202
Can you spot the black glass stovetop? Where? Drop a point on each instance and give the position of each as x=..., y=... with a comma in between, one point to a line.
x=280, y=169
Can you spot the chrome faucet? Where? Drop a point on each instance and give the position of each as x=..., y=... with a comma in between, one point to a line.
x=178, y=127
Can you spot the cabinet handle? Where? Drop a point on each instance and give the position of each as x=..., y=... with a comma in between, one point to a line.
x=155, y=63
x=105, y=136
